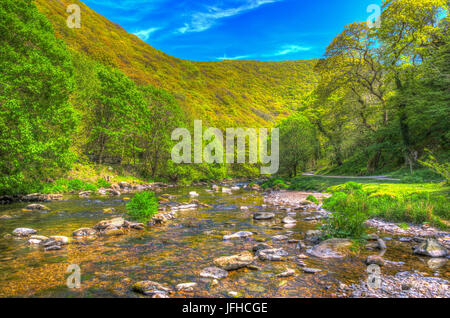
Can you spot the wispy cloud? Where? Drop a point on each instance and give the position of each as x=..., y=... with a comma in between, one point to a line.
x=201, y=21
x=289, y=49
x=145, y=34
x=226, y=58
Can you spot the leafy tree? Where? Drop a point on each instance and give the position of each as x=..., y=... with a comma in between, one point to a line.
x=298, y=144
x=36, y=117
x=160, y=116
x=118, y=106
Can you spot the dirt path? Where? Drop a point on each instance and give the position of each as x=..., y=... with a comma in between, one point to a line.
x=386, y=178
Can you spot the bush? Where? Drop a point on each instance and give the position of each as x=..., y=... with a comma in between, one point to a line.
x=102, y=183
x=349, y=213
x=313, y=199
x=142, y=207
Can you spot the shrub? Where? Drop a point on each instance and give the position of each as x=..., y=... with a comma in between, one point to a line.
x=142, y=207
x=349, y=213
x=102, y=183
x=312, y=199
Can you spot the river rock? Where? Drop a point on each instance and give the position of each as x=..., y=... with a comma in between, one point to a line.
x=375, y=260
x=215, y=187
x=242, y=234
x=289, y=220
x=263, y=216
x=311, y=270
x=280, y=238
x=150, y=288
x=23, y=231
x=52, y=248
x=116, y=222
x=275, y=254
x=431, y=248
x=113, y=231
x=85, y=231
x=288, y=273
x=37, y=207
x=193, y=194
x=313, y=236
x=85, y=193
x=333, y=248
x=186, y=287
x=213, y=272
x=234, y=262
x=61, y=240
x=261, y=246
x=124, y=185
x=436, y=263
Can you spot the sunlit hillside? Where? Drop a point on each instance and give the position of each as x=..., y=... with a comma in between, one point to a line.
x=223, y=93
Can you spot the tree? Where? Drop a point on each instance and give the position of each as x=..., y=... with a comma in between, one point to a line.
x=116, y=113
x=298, y=144
x=161, y=115
x=409, y=32
x=36, y=117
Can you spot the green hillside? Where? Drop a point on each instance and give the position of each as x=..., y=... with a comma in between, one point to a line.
x=233, y=93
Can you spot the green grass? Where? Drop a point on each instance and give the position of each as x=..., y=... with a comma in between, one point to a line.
x=410, y=203
x=394, y=201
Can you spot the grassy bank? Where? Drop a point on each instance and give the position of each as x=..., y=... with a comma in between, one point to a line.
x=84, y=177
x=417, y=203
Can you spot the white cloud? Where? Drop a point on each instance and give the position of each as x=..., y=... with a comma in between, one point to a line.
x=201, y=21
x=145, y=34
x=226, y=58
x=289, y=49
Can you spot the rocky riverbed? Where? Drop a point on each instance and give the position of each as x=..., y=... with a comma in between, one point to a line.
x=222, y=241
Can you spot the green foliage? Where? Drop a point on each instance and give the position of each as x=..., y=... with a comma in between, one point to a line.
x=312, y=199
x=102, y=183
x=66, y=186
x=36, y=117
x=142, y=207
x=397, y=203
x=442, y=169
x=298, y=144
x=349, y=212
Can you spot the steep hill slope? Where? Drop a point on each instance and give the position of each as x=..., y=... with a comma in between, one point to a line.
x=226, y=93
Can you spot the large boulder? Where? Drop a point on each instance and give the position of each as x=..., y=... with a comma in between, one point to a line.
x=431, y=248
x=234, y=262
x=116, y=222
x=333, y=248
x=23, y=231
x=85, y=231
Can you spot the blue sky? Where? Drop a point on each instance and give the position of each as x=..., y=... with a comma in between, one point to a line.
x=212, y=30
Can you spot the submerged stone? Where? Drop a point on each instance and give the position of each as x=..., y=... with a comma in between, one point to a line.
x=272, y=254
x=234, y=262
x=213, y=272
x=333, y=248
x=431, y=248
x=242, y=234
x=150, y=288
